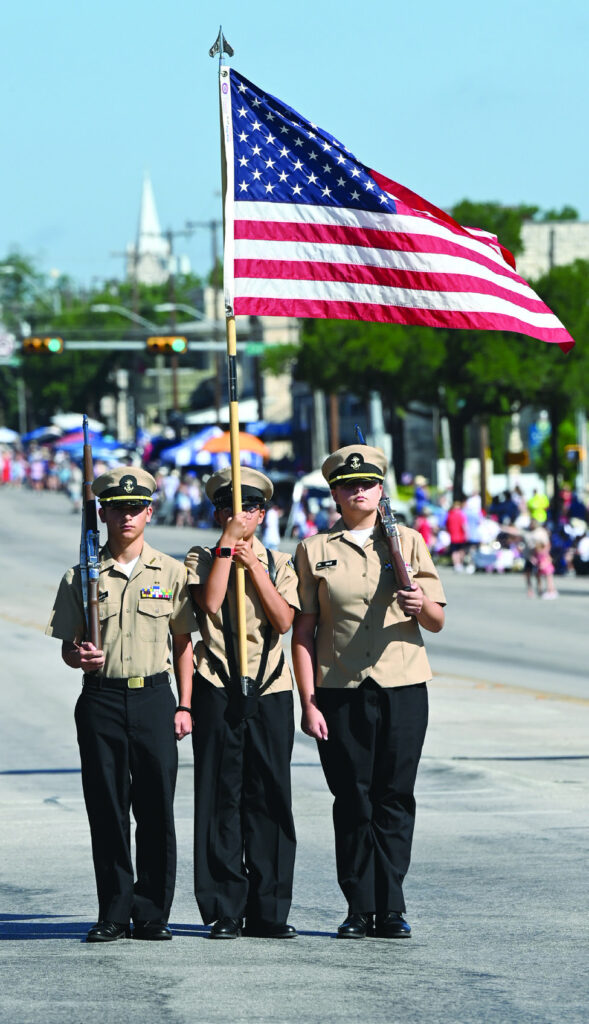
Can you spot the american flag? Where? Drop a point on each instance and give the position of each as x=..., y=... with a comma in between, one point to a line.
x=310, y=231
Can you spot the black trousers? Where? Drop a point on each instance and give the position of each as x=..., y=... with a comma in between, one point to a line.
x=130, y=761
x=370, y=763
x=244, y=836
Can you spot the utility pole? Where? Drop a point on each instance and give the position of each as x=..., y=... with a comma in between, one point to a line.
x=213, y=226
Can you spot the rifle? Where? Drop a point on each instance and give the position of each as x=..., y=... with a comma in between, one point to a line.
x=89, y=548
x=390, y=529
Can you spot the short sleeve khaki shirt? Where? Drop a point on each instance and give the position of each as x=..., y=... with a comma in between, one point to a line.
x=137, y=615
x=199, y=561
x=361, y=630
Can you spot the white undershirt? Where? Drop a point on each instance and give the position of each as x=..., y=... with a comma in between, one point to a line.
x=127, y=567
x=361, y=536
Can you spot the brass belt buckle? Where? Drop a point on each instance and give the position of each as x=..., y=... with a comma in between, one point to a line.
x=135, y=682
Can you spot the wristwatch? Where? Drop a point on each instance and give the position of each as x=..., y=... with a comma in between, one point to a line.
x=224, y=552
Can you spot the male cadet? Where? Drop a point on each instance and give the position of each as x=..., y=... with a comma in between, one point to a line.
x=244, y=837
x=126, y=716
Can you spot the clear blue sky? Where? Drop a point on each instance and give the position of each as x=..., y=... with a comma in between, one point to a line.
x=454, y=99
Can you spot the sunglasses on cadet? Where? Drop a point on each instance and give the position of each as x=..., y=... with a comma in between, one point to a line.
x=248, y=506
x=364, y=482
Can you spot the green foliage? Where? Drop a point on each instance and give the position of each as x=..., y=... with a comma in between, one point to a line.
x=567, y=434
x=361, y=357
x=74, y=380
x=498, y=441
x=503, y=221
x=566, y=213
x=550, y=378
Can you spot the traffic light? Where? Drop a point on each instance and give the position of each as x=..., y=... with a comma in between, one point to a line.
x=167, y=343
x=574, y=453
x=37, y=345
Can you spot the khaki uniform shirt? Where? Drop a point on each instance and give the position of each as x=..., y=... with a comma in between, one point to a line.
x=199, y=562
x=361, y=630
x=137, y=615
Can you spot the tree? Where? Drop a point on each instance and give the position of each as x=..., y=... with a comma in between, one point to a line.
x=551, y=380
x=74, y=379
x=503, y=221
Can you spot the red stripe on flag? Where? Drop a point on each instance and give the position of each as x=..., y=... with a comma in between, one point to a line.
x=354, y=273
x=324, y=309
x=369, y=238
x=415, y=202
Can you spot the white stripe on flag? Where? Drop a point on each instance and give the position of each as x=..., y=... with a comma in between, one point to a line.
x=339, y=291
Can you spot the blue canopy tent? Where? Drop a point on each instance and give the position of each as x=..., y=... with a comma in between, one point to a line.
x=42, y=433
x=102, y=447
x=189, y=452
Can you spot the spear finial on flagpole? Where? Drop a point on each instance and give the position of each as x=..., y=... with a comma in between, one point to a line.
x=221, y=46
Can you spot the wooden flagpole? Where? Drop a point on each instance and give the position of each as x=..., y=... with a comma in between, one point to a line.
x=221, y=46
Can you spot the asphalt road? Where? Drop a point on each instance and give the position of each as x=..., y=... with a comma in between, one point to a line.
x=497, y=888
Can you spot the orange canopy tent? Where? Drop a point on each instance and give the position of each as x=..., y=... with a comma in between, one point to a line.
x=247, y=442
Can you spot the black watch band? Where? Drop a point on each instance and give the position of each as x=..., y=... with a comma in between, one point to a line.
x=182, y=707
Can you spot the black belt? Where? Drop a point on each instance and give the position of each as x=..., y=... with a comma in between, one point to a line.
x=131, y=683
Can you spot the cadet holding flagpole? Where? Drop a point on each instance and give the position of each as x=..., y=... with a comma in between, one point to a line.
x=245, y=598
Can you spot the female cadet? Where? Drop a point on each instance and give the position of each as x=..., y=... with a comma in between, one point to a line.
x=361, y=670
x=244, y=837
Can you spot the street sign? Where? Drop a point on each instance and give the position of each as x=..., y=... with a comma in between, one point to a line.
x=254, y=348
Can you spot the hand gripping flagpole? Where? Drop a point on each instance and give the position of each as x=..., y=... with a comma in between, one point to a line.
x=221, y=46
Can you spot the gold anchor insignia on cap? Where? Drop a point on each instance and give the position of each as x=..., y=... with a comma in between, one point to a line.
x=128, y=484
x=355, y=461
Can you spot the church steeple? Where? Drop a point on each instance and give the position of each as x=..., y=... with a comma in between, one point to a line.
x=148, y=260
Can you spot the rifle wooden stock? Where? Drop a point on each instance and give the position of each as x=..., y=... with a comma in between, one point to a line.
x=89, y=550
x=391, y=531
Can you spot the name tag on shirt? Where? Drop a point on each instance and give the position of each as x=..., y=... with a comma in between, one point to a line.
x=156, y=592
x=326, y=565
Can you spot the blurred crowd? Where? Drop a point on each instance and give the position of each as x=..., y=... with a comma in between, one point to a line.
x=515, y=533
x=40, y=469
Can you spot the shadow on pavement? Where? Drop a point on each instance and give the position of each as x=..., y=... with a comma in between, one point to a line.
x=41, y=771
x=52, y=926
x=41, y=926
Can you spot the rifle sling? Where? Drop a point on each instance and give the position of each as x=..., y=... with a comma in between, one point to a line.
x=232, y=679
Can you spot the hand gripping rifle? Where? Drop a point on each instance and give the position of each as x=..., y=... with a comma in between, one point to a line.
x=89, y=548
x=391, y=531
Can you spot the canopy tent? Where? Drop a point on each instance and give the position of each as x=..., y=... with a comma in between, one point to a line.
x=270, y=431
x=73, y=421
x=190, y=451
x=76, y=438
x=42, y=434
x=248, y=445
x=8, y=436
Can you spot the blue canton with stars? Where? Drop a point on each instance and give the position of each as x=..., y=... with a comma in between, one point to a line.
x=280, y=157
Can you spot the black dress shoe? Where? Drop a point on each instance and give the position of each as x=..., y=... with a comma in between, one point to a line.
x=392, y=926
x=108, y=931
x=152, y=931
x=269, y=930
x=226, y=928
x=356, y=926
